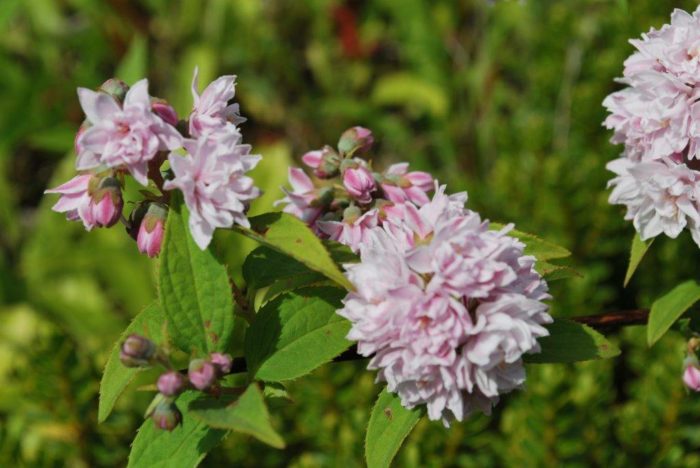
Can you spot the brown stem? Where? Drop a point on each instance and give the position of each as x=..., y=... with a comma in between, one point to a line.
x=601, y=322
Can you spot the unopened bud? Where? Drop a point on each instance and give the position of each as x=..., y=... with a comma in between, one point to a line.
x=355, y=140
x=106, y=201
x=202, y=374
x=691, y=374
x=172, y=383
x=166, y=416
x=325, y=162
x=164, y=110
x=151, y=229
x=115, y=88
x=137, y=351
x=222, y=362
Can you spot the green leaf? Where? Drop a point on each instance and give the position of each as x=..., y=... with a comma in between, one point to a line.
x=552, y=272
x=539, y=248
x=295, y=333
x=389, y=424
x=134, y=65
x=639, y=248
x=669, y=308
x=571, y=342
x=290, y=236
x=185, y=446
x=265, y=266
x=116, y=376
x=247, y=414
x=194, y=289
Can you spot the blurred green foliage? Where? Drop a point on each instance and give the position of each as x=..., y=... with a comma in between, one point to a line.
x=500, y=99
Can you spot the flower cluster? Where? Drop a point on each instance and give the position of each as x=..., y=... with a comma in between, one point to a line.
x=128, y=132
x=202, y=374
x=445, y=307
x=348, y=198
x=657, y=118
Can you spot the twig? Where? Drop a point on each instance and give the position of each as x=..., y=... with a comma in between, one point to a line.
x=601, y=322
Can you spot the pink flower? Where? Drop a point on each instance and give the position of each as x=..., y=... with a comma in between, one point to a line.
x=96, y=201
x=212, y=178
x=691, y=375
x=400, y=185
x=352, y=230
x=128, y=135
x=446, y=307
x=151, y=230
x=303, y=200
x=660, y=196
x=212, y=111
x=359, y=182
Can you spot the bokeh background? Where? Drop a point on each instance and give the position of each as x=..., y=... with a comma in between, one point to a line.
x=502, y=99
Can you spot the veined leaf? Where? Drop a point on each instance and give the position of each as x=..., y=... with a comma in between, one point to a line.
x=389, y=424
x=637, y=251
x=194, y=289
x=569, y=341
x=295, y=333
x=290, y=236
x=669, y=308
x=539, y=248
x=116, y=376
x=185, y=446
x=247, y=414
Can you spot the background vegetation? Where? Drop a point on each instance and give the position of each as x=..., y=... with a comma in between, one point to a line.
x=502, y=100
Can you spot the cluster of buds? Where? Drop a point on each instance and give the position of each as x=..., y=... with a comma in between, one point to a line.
x=691, y=372
x=202, y=374
x=348, y=197
x=129, y=133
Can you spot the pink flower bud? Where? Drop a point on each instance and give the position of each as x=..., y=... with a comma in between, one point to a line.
x=171, y=383
x=164, y=110
x=355, y=140
x=106, y=202
x=202, y=374
x=166, y=416
x=150, y=235
x=137, y=351
x=359, y=182
x=222, y=362
x=325, y=162
x=691, y=374
x=115, y=88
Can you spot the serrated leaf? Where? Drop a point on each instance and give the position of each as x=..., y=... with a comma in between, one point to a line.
x=637, y=251
x=247, y=414
x=669, y=308
x=116, y=376
x=571, y=342
x=290, y=236
x=295, y=333
x=194, y=289
x=551, y=272
x=185, y=446
x=265, y=266
x=534, y=245
x=389, y=424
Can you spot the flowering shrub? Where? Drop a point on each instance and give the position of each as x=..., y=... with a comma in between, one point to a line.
x=362, y=263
